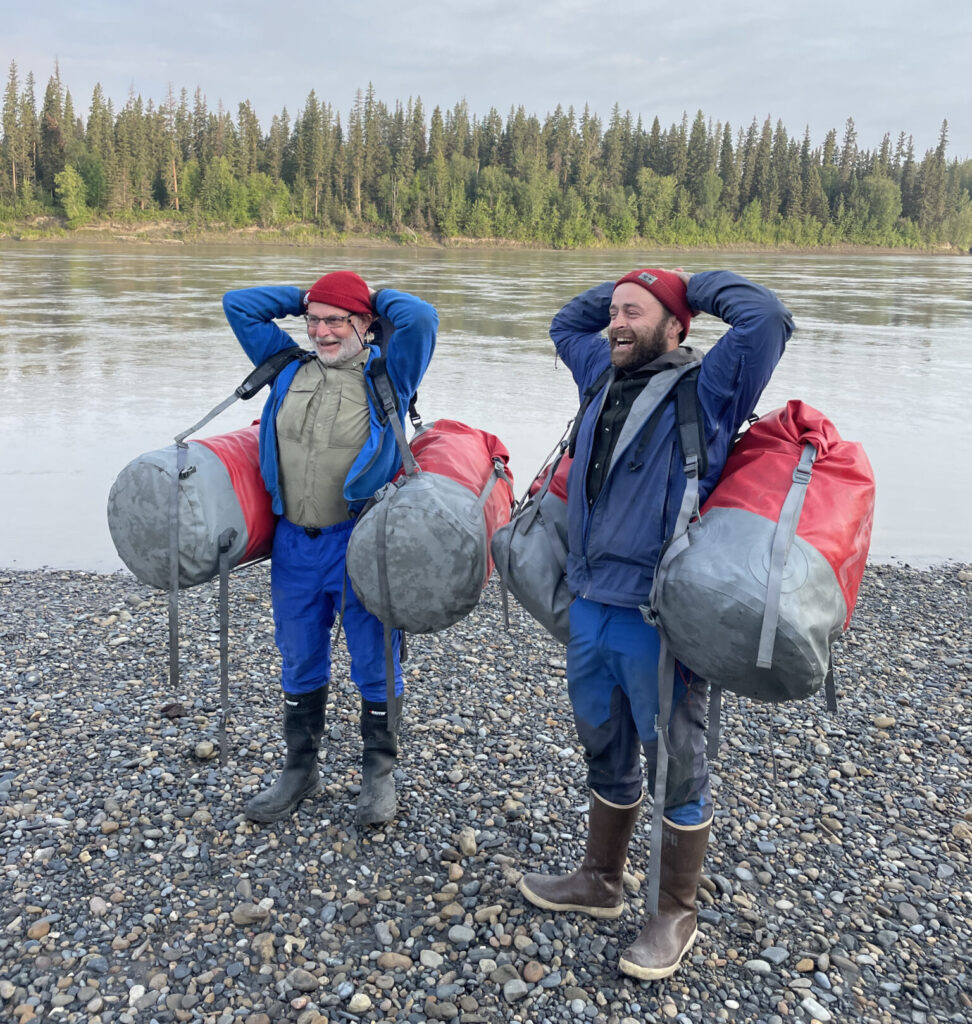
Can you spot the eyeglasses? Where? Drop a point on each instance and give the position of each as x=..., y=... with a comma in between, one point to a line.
x=331, y=322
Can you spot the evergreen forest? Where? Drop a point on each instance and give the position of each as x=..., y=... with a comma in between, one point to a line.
x=400, y=173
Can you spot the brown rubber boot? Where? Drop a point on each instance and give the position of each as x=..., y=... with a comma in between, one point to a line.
x=669, y=935
x=595, y=887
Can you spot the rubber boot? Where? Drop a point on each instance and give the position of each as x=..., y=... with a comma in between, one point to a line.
x=376, y=802
x=669, y=935
x=303, y=726
x=595, y=888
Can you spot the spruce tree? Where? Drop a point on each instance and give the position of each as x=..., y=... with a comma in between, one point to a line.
x=13, y=148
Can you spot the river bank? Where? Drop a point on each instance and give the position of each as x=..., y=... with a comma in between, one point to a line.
x=134, y=889
x=164, y=232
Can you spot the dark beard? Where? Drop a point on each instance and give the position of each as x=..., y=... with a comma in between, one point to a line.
x=646, y=347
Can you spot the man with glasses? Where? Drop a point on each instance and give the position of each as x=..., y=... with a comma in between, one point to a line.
x=325, y=448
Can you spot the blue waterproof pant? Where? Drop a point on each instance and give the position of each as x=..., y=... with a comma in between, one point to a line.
x=307, y=580
x=612, y=679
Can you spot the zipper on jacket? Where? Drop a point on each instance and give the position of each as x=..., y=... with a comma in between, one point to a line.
x=666, y=507
x=618, y=462
x=589, y=507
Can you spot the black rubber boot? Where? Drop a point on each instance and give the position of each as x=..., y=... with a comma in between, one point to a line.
x=303, y=722
x=376, y=802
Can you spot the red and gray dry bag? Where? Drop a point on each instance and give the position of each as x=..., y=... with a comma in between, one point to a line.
x=220, y=494
x=752, y=593
x=185, y=514
x=202, y=501
x=418, y=558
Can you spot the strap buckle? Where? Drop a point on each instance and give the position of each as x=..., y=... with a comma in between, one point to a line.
x=648, y=614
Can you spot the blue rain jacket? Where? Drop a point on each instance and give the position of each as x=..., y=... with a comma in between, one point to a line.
x=614, y=544
x=251, y=313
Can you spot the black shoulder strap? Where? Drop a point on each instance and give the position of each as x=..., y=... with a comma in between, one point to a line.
x=268, y=370
x=382, y=329
x=388, y=407
x=691, y=424
x=255, y=381
x=589, y=392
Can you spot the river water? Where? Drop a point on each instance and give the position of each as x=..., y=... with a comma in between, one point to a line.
x=107, y=351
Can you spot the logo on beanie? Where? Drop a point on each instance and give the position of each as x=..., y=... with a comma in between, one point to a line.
x=647, y=278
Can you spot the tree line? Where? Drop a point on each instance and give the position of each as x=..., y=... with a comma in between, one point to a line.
x=566, y=180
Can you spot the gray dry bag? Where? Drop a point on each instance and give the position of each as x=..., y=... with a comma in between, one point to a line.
x=530, y=553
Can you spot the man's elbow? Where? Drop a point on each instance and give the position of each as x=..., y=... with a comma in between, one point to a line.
x=231, y=305
x=773, y=320
x=428, y=318
x=783, y=321
x=560, y=334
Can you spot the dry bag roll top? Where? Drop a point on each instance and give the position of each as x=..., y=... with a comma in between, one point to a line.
x=219, y=488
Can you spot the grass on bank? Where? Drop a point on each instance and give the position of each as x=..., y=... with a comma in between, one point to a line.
x=174, y=228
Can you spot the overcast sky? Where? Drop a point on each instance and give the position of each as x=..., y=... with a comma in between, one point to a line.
x=891, y=65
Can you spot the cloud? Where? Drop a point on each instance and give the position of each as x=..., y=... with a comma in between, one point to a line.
x=810, y=64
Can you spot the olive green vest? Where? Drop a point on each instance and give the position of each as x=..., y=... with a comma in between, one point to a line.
x=322, y=425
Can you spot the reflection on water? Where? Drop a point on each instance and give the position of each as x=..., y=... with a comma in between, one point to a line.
x=108, y=351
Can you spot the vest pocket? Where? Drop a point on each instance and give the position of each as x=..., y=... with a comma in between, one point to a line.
x=296, y=407
x=351, y=424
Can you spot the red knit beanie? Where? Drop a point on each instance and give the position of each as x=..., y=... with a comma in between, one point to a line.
x=344, y=289
x=668, y=288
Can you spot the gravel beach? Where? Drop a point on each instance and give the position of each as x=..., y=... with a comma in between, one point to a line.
x=132, y=888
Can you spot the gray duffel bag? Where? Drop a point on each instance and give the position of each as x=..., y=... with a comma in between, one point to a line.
x=219, y=493
x=530, y=553
x=417, y=559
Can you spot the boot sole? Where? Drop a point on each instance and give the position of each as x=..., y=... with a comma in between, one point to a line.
x=265, y=817
x=604, y=913
x=654, y=973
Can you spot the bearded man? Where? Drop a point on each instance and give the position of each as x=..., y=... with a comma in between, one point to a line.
x=624, y=490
